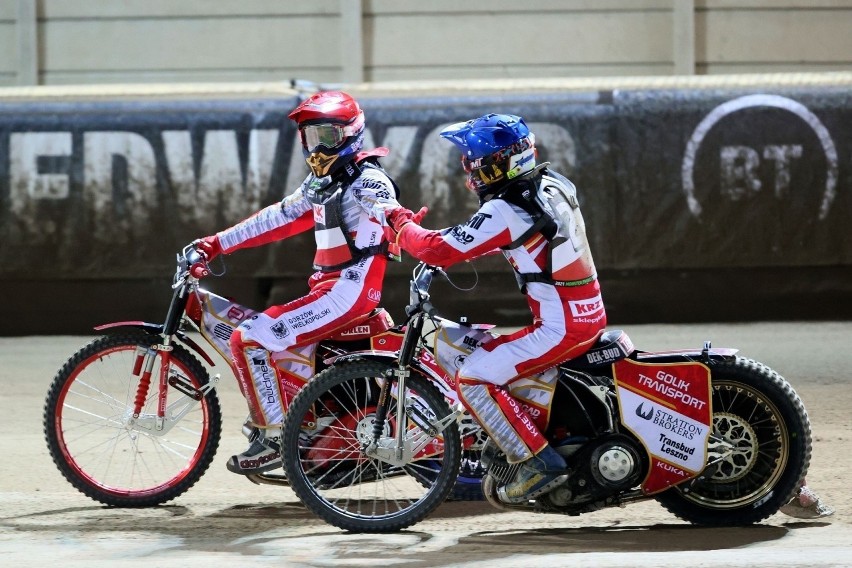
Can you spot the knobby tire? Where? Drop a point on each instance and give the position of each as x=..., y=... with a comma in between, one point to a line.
x=760, y=409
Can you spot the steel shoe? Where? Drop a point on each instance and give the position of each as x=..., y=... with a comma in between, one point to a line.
x=806, y=504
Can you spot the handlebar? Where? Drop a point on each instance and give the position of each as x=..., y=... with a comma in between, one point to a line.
x=190, y=264
x=429, y=309
x=421, y=281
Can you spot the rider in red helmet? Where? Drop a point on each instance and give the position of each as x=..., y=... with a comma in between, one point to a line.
x=344, y=200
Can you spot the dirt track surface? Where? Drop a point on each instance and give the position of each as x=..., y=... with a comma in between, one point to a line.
x=225, y=520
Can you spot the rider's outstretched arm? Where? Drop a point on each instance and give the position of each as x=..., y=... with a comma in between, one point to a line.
x=485, y=231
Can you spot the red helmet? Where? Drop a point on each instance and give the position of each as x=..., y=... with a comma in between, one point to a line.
x=331, y=126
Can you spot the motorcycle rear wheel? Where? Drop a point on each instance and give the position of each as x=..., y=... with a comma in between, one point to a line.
x=758, y=413
x=332, y=476
x=94, y=442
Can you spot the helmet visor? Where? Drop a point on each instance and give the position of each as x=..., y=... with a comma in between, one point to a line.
x=329, y=135
x=511, y=160
x=488, y=169
x=326, y=135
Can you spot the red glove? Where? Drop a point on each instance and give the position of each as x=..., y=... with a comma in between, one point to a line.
x=209, y=247
x=400, y=216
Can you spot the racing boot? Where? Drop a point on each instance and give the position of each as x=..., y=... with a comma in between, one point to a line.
x=262, y=455
x=541, y=473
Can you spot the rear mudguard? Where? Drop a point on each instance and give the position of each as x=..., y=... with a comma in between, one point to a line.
x=680, y=355
x=157, y=329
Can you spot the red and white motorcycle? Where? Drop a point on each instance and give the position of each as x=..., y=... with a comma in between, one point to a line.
x=133, y=418
x=372, y=443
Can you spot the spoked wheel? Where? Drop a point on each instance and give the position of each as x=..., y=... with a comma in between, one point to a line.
x=104, y=451
x=759, y=449
x=326, y=429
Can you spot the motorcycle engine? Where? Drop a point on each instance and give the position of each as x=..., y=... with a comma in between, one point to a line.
x=601, y=467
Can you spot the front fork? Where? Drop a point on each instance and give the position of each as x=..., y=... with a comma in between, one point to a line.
x=144, y=363
x=403, y=448
x=143, y=367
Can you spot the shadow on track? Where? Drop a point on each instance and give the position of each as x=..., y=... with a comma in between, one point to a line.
x=286, y=527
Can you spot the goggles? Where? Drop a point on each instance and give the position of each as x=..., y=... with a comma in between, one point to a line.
x=329, y=135
x=488, y=170
x=491, y=168
x=499, y=156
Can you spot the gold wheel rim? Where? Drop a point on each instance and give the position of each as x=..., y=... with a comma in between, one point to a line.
x=757, y=448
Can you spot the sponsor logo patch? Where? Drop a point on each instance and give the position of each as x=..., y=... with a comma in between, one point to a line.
x=223, y=331
x=357, y=330
x=352, y=275
x=264, y=378
x=644, y=414
x=307, y=318
x=373, y=184
x=319, y=214
x=461, y=236
x=581, y=308
x=280, y=330
x=603, y=355
x=476, y=221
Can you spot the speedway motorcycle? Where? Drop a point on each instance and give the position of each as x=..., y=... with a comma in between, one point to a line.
x=715, y=438
x=133, y=419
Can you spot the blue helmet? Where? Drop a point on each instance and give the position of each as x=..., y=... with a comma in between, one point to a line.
x=495, y=149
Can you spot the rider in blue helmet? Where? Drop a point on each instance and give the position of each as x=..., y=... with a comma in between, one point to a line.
x=520, y=212
x=531, y=214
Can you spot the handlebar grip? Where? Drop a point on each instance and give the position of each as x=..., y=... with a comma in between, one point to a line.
x=199, y=270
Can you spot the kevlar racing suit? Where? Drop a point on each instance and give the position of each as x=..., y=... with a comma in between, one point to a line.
x=273, y=353
x=563, y=295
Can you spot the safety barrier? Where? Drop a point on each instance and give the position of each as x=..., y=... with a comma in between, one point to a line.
x=725, y=199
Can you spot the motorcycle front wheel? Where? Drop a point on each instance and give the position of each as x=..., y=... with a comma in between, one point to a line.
x=329, y=423
x=106, y=453
x=759, y=449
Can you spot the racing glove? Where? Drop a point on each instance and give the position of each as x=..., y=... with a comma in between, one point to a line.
x=399, y=217
x=210, y=248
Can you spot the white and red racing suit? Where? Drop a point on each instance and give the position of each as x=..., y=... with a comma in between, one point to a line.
x=273, y=353
x=568, y=315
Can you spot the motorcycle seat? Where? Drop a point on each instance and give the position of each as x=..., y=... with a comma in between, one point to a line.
x=365, y=326
x=612, y=345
